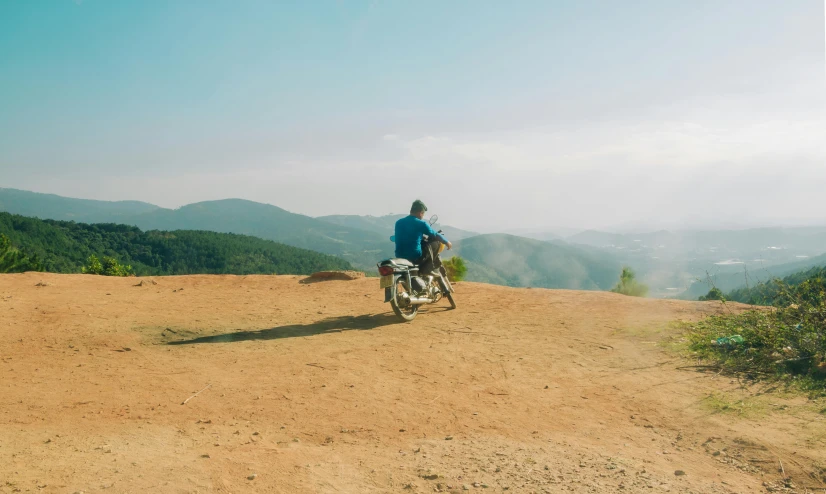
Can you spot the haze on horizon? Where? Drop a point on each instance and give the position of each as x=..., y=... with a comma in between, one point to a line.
x=531, y=116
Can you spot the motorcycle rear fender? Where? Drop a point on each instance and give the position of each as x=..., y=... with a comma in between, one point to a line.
x=390, y=292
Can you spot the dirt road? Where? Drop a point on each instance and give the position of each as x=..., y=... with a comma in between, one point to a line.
x=315, y=388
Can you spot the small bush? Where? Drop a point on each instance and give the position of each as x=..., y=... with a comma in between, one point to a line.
x=108, y=267
x=456, y=268
x=628, y=284
x=93, y=266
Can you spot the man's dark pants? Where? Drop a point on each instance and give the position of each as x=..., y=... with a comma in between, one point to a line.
x=428, y=262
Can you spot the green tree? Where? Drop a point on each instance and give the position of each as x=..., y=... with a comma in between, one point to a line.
x=713, y=294
x=628, y=284
x=456, y=268
x=15, y=261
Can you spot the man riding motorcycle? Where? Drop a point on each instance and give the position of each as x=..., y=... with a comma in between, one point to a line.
x=415, y=276
x=408, y=238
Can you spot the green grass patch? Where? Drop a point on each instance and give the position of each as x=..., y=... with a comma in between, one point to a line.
x=748, y=407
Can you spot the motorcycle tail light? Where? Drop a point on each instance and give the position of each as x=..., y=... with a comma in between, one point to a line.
x=385, y=270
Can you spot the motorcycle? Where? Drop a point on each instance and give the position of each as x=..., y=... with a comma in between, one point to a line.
x=406, y=289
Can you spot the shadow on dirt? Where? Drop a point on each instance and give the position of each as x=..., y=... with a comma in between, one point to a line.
x=329, y=325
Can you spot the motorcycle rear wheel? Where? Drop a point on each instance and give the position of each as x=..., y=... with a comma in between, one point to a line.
x=404, y=313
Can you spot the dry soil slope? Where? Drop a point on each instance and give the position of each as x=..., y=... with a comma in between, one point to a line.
x=315, y=388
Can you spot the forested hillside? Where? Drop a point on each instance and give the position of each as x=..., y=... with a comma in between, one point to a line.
x=518, y=261
x=63, y=247
x=727, y=282
x=777, y=290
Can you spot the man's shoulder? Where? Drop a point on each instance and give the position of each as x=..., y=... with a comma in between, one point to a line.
x=409, y=220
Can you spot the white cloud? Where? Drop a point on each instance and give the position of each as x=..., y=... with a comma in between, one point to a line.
x=677, y=144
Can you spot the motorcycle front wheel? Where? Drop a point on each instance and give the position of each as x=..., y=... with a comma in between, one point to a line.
x=405, y=313
x=446, y=288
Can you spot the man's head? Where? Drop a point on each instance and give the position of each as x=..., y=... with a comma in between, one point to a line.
x=418, y=209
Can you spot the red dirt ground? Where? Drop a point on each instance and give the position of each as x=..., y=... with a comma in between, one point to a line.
x=316, y=388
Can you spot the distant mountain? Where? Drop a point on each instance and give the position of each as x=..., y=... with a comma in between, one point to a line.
x=670, y=262
x=721, y=242
x=384, y=225
x=518, y=261
x=50, y=206
x=361, y=247
x=597, y=238
x=544, y=236
x=63, y=247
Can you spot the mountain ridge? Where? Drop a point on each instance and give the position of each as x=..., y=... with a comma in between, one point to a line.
x=53, y=206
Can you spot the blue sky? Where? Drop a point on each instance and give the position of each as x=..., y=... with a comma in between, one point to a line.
x=552, y=112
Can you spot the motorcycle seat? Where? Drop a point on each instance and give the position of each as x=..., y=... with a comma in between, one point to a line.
x=402, y=262
x=398, y=262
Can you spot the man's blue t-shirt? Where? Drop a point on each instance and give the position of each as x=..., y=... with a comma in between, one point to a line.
x=409, y=231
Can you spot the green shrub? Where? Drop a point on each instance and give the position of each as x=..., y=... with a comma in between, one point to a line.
x=456, y=268
x=788, y=341
x=108, y=267
x=93, y=266
x=628, y=284
x=111, y=267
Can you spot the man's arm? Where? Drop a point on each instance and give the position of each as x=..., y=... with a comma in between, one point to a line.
x=430, y=232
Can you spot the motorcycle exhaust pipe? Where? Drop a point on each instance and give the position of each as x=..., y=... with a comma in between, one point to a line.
x=420, y=300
